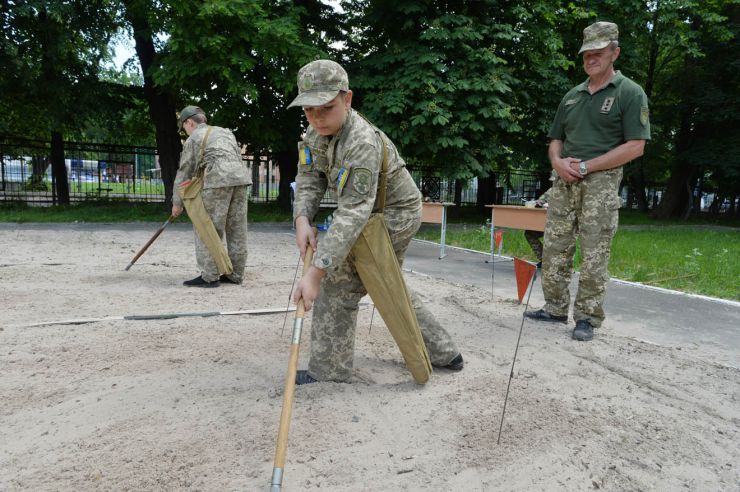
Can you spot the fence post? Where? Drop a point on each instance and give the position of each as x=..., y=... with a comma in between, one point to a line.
x=58, y=169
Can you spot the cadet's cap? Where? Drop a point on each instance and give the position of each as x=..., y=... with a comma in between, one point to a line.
x=186, y=113
x=319, y=82
x=598, y=35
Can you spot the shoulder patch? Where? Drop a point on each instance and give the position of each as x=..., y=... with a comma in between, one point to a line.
x=362, y=180
x=644, y=115
x=304, y=154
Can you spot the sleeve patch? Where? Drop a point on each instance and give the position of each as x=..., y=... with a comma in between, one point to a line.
x=304, y=154
x=644, y=115
x=362, y=180
x=342, y=177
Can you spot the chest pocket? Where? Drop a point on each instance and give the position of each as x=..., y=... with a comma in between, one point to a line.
x=320, y=162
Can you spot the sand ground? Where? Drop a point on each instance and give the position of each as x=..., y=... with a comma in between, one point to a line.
x=193, y=403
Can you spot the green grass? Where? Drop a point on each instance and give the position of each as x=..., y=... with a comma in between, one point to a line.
x=120, y=211
x=687, y=258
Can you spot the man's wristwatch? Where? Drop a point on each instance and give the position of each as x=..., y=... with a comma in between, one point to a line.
x=582, y=168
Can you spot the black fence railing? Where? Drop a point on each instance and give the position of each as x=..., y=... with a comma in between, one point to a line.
x=105, y=171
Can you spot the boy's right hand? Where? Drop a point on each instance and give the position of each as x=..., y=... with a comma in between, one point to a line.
x=305, y=235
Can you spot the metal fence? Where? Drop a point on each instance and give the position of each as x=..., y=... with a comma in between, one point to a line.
x=104, y=171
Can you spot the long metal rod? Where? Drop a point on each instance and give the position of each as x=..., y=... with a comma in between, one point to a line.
x=511, y=373
x=139, y=317
x=151, y=240
x=289, y=389
x=292, y=286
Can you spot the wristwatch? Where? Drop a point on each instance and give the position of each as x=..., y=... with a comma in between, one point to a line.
x=582, y=168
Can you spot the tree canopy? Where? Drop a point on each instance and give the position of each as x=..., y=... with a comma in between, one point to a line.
x=466, y=87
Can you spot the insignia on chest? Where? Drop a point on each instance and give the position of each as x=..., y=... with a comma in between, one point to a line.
x=606, y=106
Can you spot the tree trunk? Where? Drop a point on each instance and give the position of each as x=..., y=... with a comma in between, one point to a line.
x=677, y=198
x=162, y=107
x=58, y=168
x=487, y=191
x=286, y=161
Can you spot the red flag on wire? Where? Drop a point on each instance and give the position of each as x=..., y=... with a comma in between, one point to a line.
x=497, y=237
x=524, y=272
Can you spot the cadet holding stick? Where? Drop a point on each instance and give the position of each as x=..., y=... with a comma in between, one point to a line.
x=345, y=152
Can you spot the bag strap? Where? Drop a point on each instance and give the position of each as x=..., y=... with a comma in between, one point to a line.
x=383, y=182
x=201, y=167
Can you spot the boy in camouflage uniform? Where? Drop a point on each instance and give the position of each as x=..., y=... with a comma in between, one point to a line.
x=344, y=152
x=600, y=125
x=225, y=184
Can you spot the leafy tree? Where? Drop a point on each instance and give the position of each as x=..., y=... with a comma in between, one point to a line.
x=238, y=60
x=50, y=54
x=464, y=86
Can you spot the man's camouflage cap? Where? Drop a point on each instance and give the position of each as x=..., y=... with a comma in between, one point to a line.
x=319, y=82
x=186, y=113
x=598, y=35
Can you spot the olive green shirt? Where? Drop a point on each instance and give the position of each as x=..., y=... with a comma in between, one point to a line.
x=593, y=124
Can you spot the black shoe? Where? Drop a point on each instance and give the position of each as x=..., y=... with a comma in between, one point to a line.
x=302, y=377
x=542, y=315
x=456, y=364
x=583, y=331
x=226, y=280
x=199, y=282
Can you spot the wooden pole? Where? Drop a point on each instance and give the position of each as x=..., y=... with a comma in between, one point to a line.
x=151, y=240
x=289, y=390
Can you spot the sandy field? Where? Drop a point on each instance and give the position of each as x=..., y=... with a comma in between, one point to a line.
x=193, y=403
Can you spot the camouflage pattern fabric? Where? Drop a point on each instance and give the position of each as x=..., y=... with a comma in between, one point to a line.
x=225, y=184
x=598, y=35
x=223, y=162
x=356, y=147
x=227, y=208
x=589, y=210
x=534, y=238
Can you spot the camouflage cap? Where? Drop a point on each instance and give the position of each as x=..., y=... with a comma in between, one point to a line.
x=319, y=82
x=598, y=35
x=186, y=113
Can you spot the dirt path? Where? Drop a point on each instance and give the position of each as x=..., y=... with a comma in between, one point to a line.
x=194, y=403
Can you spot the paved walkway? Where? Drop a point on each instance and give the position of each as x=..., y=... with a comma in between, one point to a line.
x=707, y=327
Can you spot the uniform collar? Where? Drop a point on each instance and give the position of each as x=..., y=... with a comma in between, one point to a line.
x=615, y=81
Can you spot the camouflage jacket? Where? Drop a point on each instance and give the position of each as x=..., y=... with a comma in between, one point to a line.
x=348, y=164
x=223, y=161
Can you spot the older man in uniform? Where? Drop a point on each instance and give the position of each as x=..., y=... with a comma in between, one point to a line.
x=344, y=152
x=600, y=125
x=225, y=185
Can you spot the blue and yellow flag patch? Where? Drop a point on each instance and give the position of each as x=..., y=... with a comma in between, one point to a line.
x=304, y=156
x=342, y=179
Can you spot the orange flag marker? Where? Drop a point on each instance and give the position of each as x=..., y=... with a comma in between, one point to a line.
x=524, y=271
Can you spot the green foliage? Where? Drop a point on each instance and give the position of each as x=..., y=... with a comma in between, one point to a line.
x=239, y=60
x=50, y=55
x=460, y=85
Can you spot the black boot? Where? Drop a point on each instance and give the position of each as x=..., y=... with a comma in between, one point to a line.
x=584, y=331
x=302, y=377
x=542, y=315
x=199, y=282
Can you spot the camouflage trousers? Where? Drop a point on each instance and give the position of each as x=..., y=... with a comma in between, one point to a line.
x=534, y=238
x=589, y=211
x=335, y=313
x=227, y=208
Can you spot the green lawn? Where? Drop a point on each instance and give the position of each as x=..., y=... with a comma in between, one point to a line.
x=694, y=259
